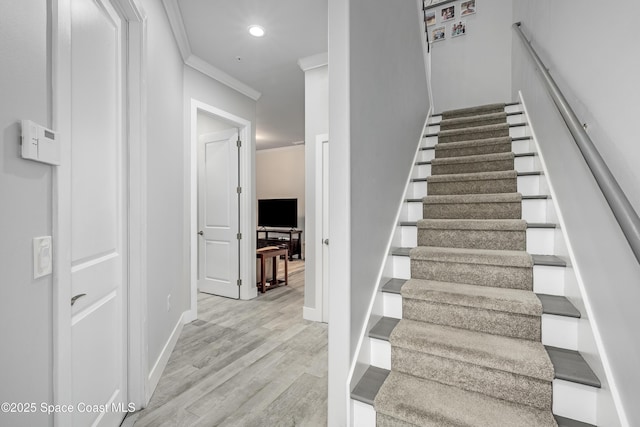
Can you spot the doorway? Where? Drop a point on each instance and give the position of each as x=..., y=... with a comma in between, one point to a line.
x=240, y=186
x=99, y=348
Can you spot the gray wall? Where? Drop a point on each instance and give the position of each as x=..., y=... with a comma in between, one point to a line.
x=25, y=213
x=598, y=76
x=474, y=69
x=166, y=270
x=388, y=106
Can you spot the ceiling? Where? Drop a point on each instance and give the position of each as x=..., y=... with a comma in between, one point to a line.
x=215, y=37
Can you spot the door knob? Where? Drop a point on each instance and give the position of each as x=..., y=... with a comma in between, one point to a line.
x=326, y=242
x=75, y=298
x=201, y=233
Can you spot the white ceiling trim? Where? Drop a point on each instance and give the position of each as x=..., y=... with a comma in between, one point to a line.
x=313, y=61
x=180, y=33
x=215, y=73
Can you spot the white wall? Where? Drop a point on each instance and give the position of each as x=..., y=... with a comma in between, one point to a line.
x=280, y=175
x=166, y=269
x=25, y=213
x=598, y=77
x=475, y=68
x=379, y=79
x=316, y=122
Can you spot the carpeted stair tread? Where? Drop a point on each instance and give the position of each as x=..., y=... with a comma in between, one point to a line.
x=473, y=198
x=473, y=176
x=473, y=147
x=482, y=267
x=467, y=121
x=428, y=403
x=473, y=224
x=472, y=133
x=472, y=256
x=473, y=233
x=516, y=356
x=473, y=183
x=516, y=301
x=473, y=206
x=473, y=111
x=473, y=163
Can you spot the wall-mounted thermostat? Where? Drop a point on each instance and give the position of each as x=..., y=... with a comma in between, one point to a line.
x=39, y=143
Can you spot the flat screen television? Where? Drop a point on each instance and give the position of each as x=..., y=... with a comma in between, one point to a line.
x=278, y=213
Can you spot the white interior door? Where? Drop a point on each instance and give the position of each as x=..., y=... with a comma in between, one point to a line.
x=98, y=206
x=325, y=231
x=218, y=214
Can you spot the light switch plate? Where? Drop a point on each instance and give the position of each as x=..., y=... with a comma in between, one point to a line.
x=42, y=256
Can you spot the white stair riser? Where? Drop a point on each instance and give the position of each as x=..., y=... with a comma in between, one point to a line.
x=408, y=236
x=426, y=155
x=575, y=401
x=529, y=185
x=421, y=171
x=429, y=141
x=380, y=353
x=535, y=210
x=392, y=305
x=401, y=267
x=518, y=132
x=525, y=164
x=560, y=331
x=418, y=189
x=414, y=210
x=548, y=280
x=363, y=415
x=540, y=240
x=433, y=128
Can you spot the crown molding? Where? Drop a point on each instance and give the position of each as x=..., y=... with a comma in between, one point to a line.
x=313, y=61
x=204, y=67
x=177, y=26
x=180, y=34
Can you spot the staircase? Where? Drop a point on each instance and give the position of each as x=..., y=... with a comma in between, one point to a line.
x=475, y=329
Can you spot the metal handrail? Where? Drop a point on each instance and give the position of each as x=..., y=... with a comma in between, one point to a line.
x=622, y=209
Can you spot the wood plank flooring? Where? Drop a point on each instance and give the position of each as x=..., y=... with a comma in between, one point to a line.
x=245, y=363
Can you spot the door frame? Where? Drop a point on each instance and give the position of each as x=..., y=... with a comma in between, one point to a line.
x=320, y=313
x=135, y=293
x=247, y=224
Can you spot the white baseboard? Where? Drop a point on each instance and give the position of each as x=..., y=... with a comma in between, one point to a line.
x=313, y=314
x=163, y=359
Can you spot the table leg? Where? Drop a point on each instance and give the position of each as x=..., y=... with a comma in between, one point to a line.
x=274, y=277
x=263, y=272
x=286, y=270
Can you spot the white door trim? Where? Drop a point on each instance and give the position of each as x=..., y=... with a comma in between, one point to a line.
x=248, y=289
x=317, y=314
x=135, y=17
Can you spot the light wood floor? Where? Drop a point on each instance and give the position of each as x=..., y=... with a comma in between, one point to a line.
x=245, y=363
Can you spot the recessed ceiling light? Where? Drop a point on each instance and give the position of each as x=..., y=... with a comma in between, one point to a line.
x=256, y=30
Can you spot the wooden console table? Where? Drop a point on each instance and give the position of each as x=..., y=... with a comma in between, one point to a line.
x=272, y=252
x=275, y=237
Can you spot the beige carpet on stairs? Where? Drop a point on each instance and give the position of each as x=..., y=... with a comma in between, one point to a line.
x=467, y=351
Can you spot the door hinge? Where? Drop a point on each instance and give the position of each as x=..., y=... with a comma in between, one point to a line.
x=239, y=282
x=238, y=143
x=238, y=190
x=239, y=236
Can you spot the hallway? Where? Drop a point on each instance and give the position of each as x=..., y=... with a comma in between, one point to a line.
x=245, y=363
